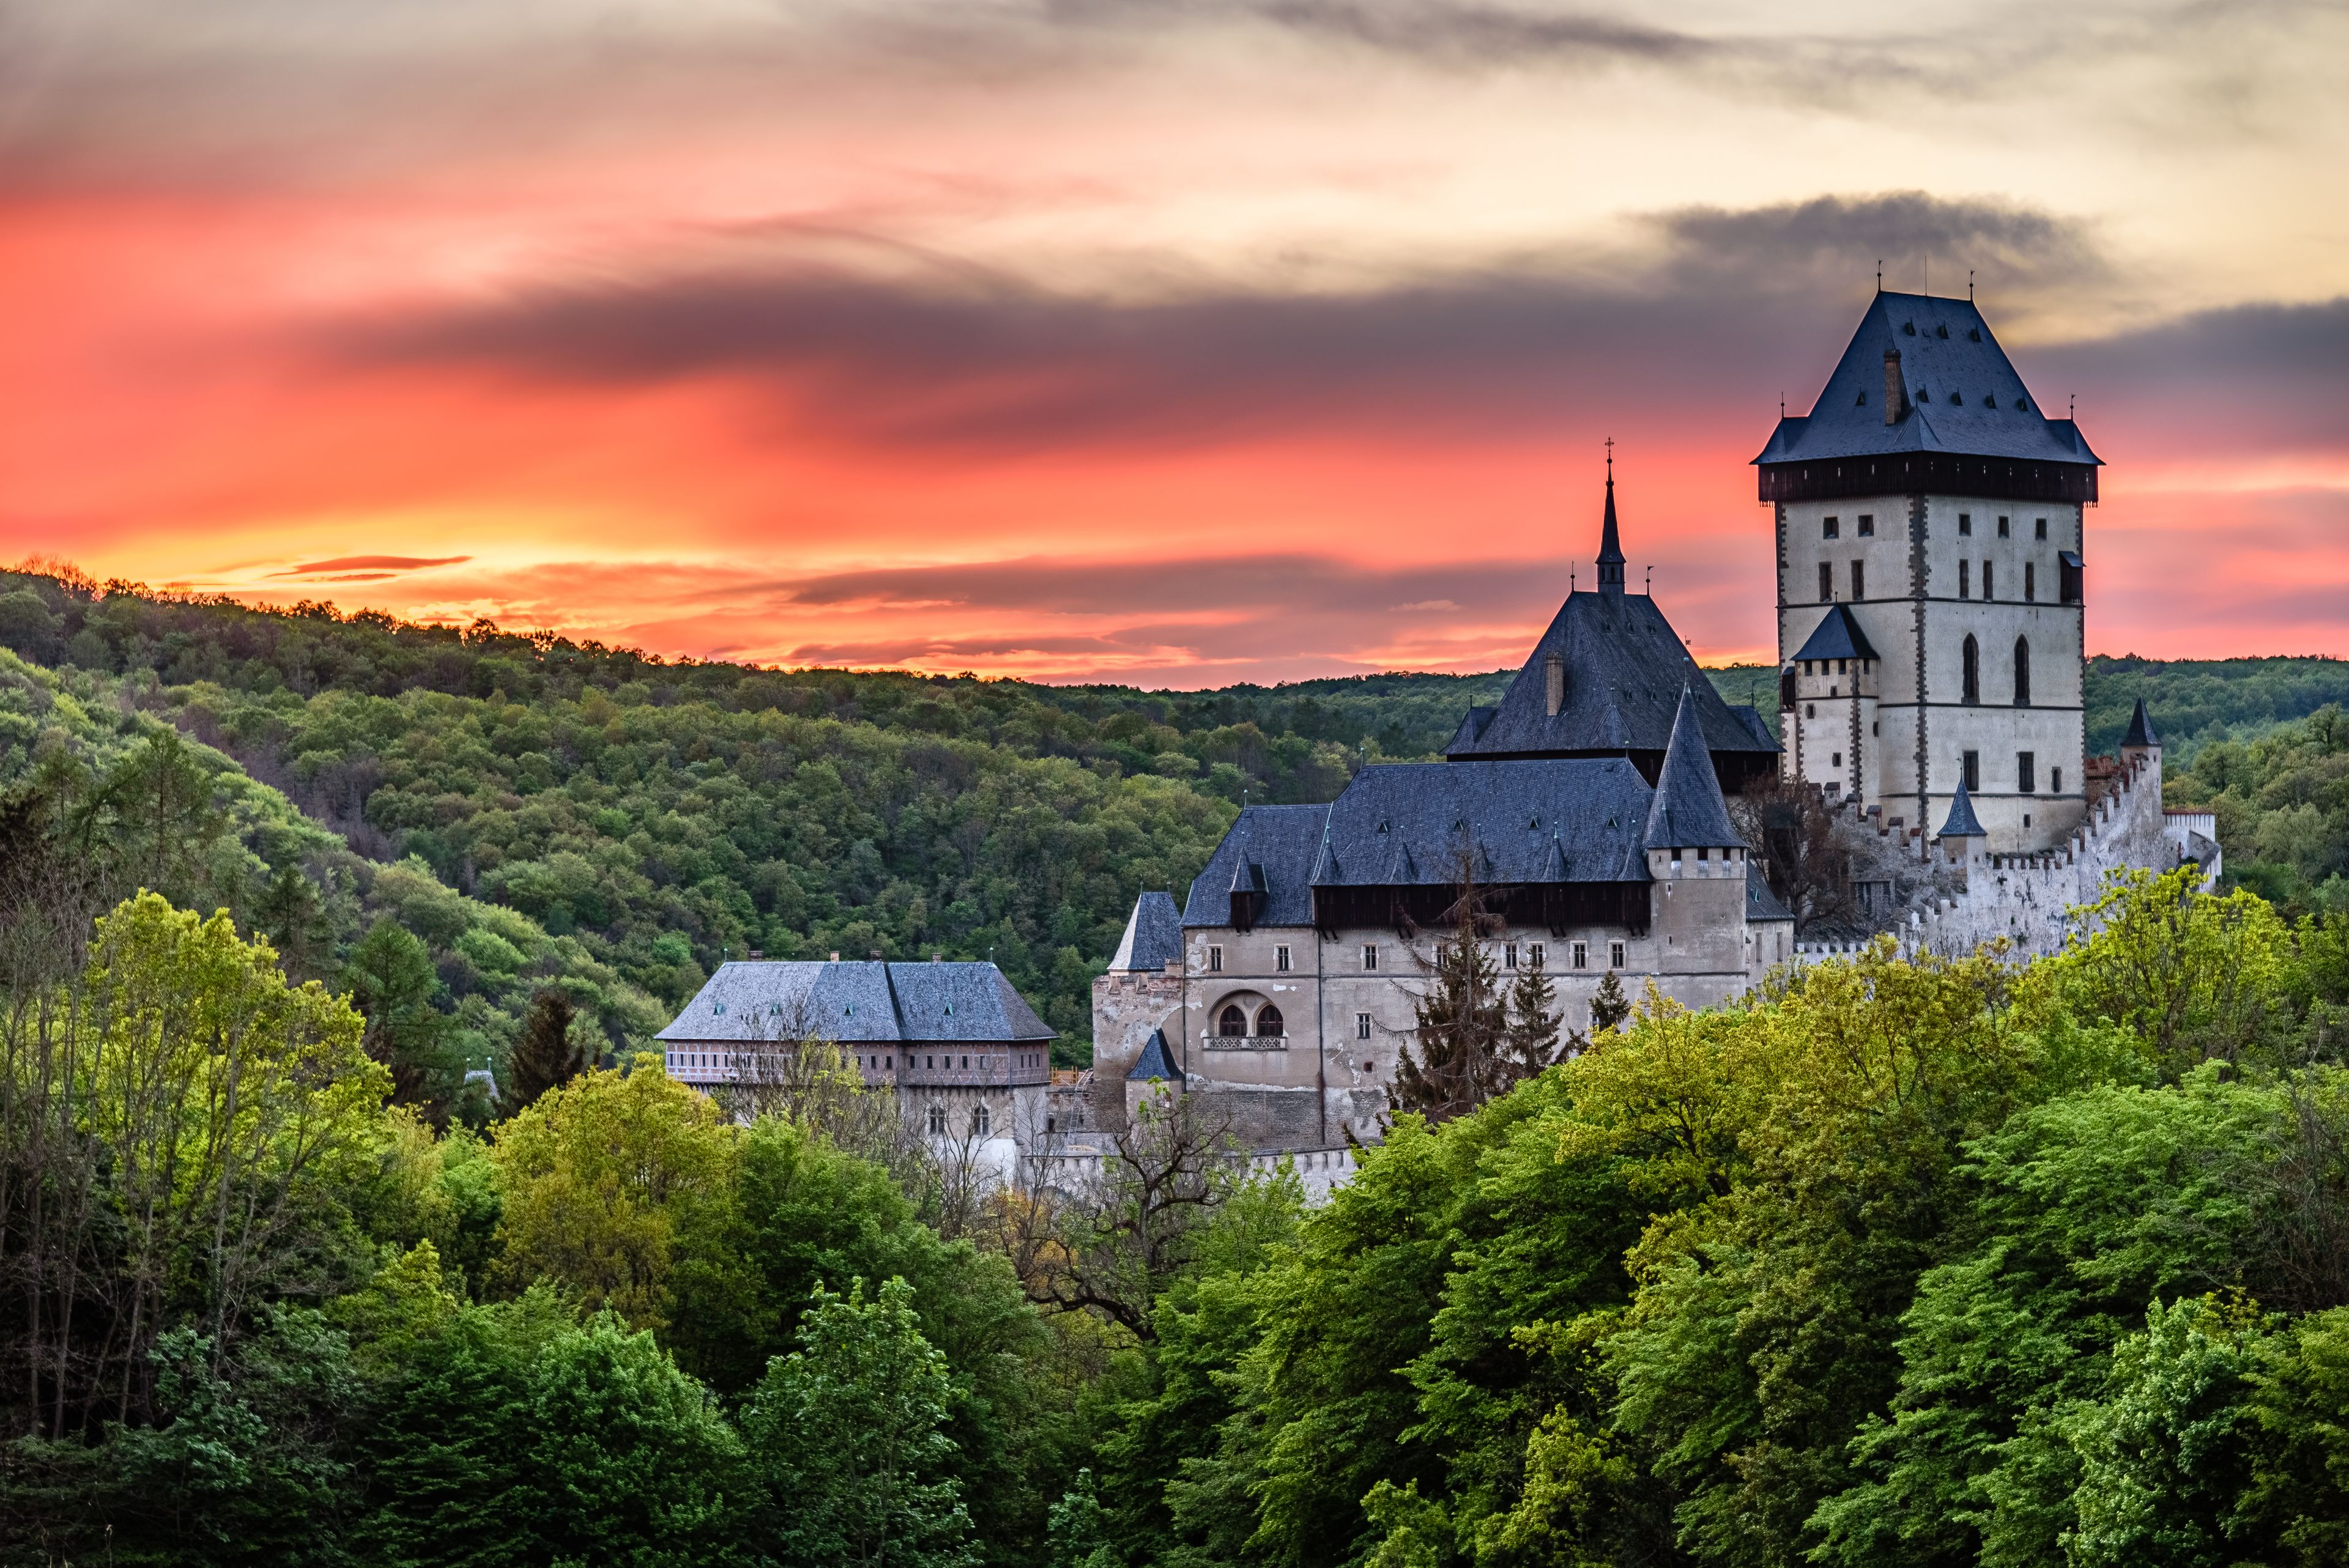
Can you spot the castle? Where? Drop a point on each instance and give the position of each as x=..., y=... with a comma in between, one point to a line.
x=1929, y=538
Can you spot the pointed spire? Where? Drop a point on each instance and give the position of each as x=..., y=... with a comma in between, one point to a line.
x=1611, y=544
x=1963, y=823
x=2140, y=729
x=1687, y=812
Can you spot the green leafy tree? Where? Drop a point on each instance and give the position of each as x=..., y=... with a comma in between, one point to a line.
x=846, y=1434
x=1078, y=1531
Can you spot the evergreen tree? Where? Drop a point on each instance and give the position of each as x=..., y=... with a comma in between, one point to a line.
x=391, y=981
x=1463, y=1026
x=1609, y=1007
x=545, y=1057
x=1533, y=1020
x=844, y=1429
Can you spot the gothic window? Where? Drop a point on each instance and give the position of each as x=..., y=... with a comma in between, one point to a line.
x=1232, y=1023
x=1826, y=582
x=1969, y=667
x=2023, y=672
x=1268, y=1022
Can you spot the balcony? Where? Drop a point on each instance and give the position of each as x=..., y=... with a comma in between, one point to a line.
x=1244, y=1042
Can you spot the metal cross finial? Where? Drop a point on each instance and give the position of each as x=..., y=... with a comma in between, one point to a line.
x=1610, y=457
x=1652, y=581
x=1969, y=286
x=1879, y=274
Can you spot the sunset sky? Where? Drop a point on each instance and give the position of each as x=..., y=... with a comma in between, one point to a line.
x=1178, y=343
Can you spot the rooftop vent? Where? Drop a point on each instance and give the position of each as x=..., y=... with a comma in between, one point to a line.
x=1909, y=329
x=1976, y=335
x=1943, y=330
x=2022, y=406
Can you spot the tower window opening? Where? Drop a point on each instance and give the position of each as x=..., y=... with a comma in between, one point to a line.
x=1986, y=588
x=1362, y=1025
x=2039, y=529
x=1280, y=958
x=1867, y=525
x=1858, y=580
x=2023, y=672
x=1830, y=528
x=1970, y=769
x=2025, y=774
x=1215, y=959
x=1970, y=672
x=1965, y=579
x=2002, y=528
x=1370, y=955
x=1966, y=524
x=2030, y=582
x=2054, y=781
x=1826, y=582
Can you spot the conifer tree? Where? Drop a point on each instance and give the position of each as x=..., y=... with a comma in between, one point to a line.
x=1609, y=1007
x=545, y=1057
x=1533, y=1020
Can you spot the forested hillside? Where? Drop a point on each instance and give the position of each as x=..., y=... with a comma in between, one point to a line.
x=648, y=818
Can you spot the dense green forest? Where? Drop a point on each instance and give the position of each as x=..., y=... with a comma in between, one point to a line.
x=1938, y=1264
x=528, y=808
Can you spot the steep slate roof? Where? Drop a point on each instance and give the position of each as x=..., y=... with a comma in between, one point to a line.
x=1625, y=667
x=1760, y=904
x=2140, y=729
x=1545, y=819
x=1687, y=808
x=1284, y=841
x=1964, y=394
x=1751, y=718
x=1963, y=823
x=1154, y=934
x=1837, y=636
x=1154, y=1062
x=777, y=1002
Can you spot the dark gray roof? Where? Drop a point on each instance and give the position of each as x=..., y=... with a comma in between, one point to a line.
x=778, y=1001
x=1687, y=809
x=1625, y=669
x=1545, y=819
x=1760, y=904
x=1282, y=841
x=1963, y=823
x=1964, y=394
x=1154, y=1062
x=1751, y=718
x=1837, y=636
x=1154, y=934
x=2140, y=729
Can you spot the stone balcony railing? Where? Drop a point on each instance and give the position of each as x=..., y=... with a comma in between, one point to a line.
x=1244, y=1042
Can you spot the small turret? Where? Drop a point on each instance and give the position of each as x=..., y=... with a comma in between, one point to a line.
x=1963, y=838
x=1153, y=1077
x=2141, y=744
x=1687, y=813
x=1611, y=544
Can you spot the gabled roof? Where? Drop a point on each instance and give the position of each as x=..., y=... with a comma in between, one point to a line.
x=1154, y=934
x=778, y=1002
x=1625, y=669
x=1282, y=843
x=1154, y=1062
x=1963, y=823
x=1837, y=636
x=2140, y=729
x=1963, y=394
x=1751, y=718
x=1760, y=904
x=1687, y=808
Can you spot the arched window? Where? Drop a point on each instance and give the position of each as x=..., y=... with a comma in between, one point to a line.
x=1267, y=1020
x=1972, y=662
x=2023, y=672
x=1232, y=1023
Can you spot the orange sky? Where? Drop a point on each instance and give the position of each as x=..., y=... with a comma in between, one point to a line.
x=1182, y=346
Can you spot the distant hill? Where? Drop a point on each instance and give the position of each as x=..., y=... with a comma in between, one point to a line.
x=653, y=816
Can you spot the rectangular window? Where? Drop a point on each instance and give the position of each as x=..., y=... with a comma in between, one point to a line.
x=1838, y=756
x=1509, y=956
x=1858, y=581
x=1986, y=591
x=2002, y=528
x=1966, y=524
x=1534, y=955
x=1965, y=579
x=1215, y=960
x=1970, y=769
x=1280, y=958
x=2054, y=781
x=2030, y=582
x=1826, y=582
x=2040, y=530
x=1614, y=955
x=2026, y=778
x=1362, y=1025
x=1830, y=528
x=1370, y=955
x=1582, y=955
x=1866, y=525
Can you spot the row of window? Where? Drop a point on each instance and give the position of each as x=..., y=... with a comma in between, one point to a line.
x=1534, y=955
x=1969, y=672
x=979, y=1121
x=1965, y=580
x=2026, y=774
x=1832, y=528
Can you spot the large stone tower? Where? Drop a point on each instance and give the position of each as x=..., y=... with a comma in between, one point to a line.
x=1931, y=587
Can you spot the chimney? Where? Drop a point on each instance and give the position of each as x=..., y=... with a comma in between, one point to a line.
x=1554, y=671
x=836, y=958
x=1896, y=391
x=937, y=958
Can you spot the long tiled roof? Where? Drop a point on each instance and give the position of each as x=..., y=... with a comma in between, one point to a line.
x=1282, y=841
x=1154, y=934
x=1625, y=667
x=1963, y=395
x=779, y=1001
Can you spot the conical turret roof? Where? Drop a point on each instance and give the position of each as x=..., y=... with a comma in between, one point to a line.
x=2140, y=729
x=1688, y=810
x=1963, y=823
